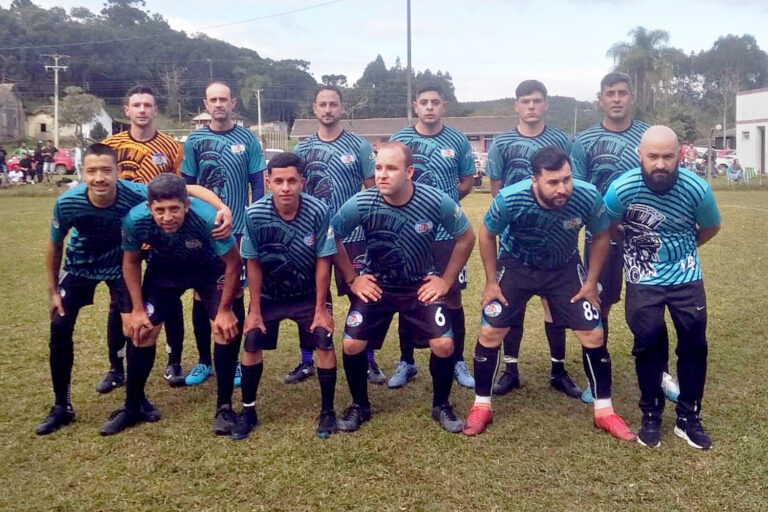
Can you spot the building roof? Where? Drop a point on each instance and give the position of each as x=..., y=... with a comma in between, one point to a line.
x=386, y=126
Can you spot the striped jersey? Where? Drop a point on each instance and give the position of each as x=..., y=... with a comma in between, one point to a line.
x=188, y=250
x=224, y=163
x=141, y=161
x=93, y=250
x=335, y=170
x=439, y=160
x=660, y=230
x=288, y=249
x=543, y=238
x=599, y=155
x=398, y=238
x=509, y=157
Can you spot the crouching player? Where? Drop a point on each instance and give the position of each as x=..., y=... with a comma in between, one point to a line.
x=539, y=220
x=288, y=248
x=400, y=220
x=183, y=254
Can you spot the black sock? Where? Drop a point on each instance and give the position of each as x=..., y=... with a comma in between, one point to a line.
x=327, y=379
x=202, y=327
x=486, y=360
x=605, y=331
x=356, y=370
x=116, y=340
x=174, y=331
x=441, y=369
x=62, y=355
x=140, y=362
x=406, y=344
x=224, y=361
x=459, y=332
x=597, y=366
x=512, y=342
x=556, y=339
x=250, y=382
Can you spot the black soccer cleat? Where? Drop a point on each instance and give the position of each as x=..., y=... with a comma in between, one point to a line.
x=446, y=417
x=119, y=420
x=113, y=379
x=246, y=421
x=326, y=425
x=224, y=420
x=59, y=416
x=149, y=412
x=562, y=382
x=650, y=430
x=174, y=376
x=302, y=372
x=506, y=383
x=354, y=417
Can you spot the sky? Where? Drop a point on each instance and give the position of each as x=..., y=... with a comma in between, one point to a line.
x=488, y=46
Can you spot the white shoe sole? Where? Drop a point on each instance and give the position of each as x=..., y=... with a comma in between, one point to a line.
x=682, y=435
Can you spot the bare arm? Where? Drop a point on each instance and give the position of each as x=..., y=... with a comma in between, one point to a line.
x=492, y=289
x=365, y=286
x=225, y=323
x=52, y=265
x=465, y=186
x=704, y=235
x=322, y=318
x=254, y=319
x=139, y=319
x=461, y=251
x=598, y=251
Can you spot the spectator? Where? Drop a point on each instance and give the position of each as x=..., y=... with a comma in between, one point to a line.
x=16, y=177
x=3, y=165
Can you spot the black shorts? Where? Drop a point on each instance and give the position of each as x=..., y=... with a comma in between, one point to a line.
x=77, y=292
x=302, y=312
x=356, y=253
x=441, y=252
x=370, y=321
x=612, y=275
x=163, y=287
x=519, y=283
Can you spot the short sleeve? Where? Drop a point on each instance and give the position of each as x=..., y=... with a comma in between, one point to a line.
x=189, y=163
x=367, y=159
x=325, y=244
x=130, y=242
x=59, y=226
x=579, y=161
x=707, y=214
x=494, y=165
x=347, y=218
x=598, y=217
x=496, y=219
x=613, y=206
x=256, y=162
x=452, y=217
x=467, y=163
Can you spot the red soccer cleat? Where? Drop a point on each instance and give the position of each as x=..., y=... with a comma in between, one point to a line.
x=614, y=425
x=478, y=419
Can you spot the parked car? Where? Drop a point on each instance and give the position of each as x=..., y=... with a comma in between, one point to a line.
x=64, y=161
x=271, y=152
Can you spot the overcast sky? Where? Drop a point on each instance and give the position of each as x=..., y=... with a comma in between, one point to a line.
x=488, y=46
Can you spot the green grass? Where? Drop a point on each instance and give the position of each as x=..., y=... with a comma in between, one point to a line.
x=541, y=452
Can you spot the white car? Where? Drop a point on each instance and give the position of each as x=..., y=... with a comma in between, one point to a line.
x=271, y=152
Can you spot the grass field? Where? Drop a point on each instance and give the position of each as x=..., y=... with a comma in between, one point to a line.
x=541, y=452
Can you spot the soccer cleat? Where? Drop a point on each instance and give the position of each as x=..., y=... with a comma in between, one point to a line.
x=690, y=429
x=403, y=374
x=119, y=420
x=149, y=412
x=587, y=397
x=302, y=372
x=478, y=419
x=375, y=375
x=113, y=379
x=224, y=420
x=326, y=425
x=353, y=418
x=59, y=416
x=198, y=374
x=462, y=375
x=246, y=421
x=650, y=431
x=670, y=387
x=238, y=375
x=562, y=382
x=446, y=417
x=173, y=375
x=506, y=383
x=614, y=425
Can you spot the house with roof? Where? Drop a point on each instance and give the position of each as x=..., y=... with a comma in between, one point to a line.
x=751, y=128
x=40, y=125
x=12, y=117
x=204, y=119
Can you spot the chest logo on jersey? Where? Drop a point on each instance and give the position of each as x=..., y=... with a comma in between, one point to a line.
x=159, y=159
x=347, y=159
x=447, y=153
x=423, y=227
x=193, y=243
x=574, y=223
x=237, y=148
x=309, y=239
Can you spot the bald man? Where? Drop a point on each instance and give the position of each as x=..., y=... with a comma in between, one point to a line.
x=666, y=212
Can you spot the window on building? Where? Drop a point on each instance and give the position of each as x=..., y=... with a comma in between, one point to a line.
x=745, y=135
x=43, y=128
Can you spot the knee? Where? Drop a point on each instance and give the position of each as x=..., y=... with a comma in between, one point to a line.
x=326, y=358
x=441, y=347
x=491, y=337
x=590, y=339
x=252, y=358
x=353, y=347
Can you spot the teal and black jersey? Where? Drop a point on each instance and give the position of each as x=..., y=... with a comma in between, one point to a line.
x=660, y=230
x=509, y=157
x=599, y=155
x=440, y=161
x=542, y=238
x=288, y=249
x=188, y=250
x=93, y=251
x=398, y=239
x=224, y=163
x=335, y=170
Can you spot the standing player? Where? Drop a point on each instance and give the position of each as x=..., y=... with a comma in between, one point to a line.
x=288, y=248
x=600, y=154
x=337, y=164
x=666, y=213
x=143, y=153
x=538, y=220
x=442, y=158
x=224, y=158
x=400, y=220
x=183, y=254
x=509, y=161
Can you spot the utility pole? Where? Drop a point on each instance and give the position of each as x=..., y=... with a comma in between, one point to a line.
x=410, y=92
x=258, y=102
x=210, y=69
x=56, y=68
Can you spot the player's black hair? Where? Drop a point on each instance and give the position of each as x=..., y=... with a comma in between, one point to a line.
x=100, y=149
x=286, y=159
x=429, y=87
x=167, y=185
x=550, y=158
x=614, y=78
x=529, y=87
x=140, y=89
x=329, y=88
x=402, y=147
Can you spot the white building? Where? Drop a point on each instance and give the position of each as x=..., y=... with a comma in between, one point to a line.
x=751, y=127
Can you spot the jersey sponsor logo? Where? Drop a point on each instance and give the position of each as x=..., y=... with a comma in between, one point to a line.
x=457, y=212
x=423, y=227
x=641, y=243
x=193, y=243
x=329, y=234
x=159, y=159
x=237, y=149
x=447, y=153
x=55, y=222
x=354, y=318
x=493, y=309
x=309, y=239
x=347, y=159
x=573, y=223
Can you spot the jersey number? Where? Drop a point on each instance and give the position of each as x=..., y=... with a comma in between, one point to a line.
x=439, y=317
x=590, y=313
x=688, y=263
x=463, y=276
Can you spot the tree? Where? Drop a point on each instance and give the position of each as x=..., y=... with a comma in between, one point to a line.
x=78, y=108
x=98, y=132
x=335, y=80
